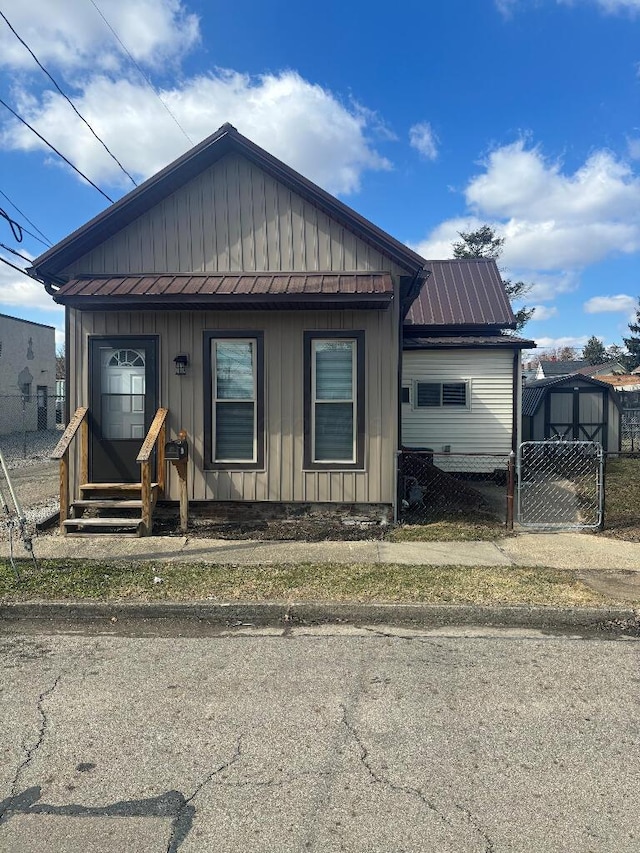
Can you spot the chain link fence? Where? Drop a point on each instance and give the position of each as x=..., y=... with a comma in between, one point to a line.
x=560, y=484
x=30, y=427
x=630, y=430
x=449, y=486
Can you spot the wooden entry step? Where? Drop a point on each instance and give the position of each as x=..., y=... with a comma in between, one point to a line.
x=110, y=508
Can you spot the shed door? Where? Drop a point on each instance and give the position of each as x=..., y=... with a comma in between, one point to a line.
x=577, y=414
x=123, y=403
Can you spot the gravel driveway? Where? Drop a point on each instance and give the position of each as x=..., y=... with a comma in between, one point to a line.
x=34, y=476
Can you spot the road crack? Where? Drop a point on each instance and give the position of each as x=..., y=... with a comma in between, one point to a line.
x=184, y=816
x=417, y=793
x=30, y=751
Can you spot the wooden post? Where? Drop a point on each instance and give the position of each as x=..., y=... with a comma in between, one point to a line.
x=511, y=483
x=181, y=470
x=64, y=490
x=161, y=465
x=84, y=452
x=145, y=483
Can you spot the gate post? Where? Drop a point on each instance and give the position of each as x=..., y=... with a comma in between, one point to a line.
x=511, y=481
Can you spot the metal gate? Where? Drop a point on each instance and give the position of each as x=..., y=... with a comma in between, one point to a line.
x=560, y=484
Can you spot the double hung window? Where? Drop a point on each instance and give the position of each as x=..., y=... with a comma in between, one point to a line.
x=235, y=378
x=334, y=393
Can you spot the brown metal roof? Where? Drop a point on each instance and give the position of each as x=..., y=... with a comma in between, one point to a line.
x=281, y=289
x=467, y=341
x=462, y=293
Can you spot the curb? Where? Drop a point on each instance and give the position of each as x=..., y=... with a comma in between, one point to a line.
x=234, y=614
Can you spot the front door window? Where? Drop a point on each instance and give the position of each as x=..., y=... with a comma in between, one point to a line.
x=122, y=393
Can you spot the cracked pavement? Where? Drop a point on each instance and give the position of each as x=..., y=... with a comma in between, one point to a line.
x=327, y=738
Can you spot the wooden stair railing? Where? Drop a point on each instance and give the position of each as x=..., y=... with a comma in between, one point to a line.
x=156, y=435
x=79, y=421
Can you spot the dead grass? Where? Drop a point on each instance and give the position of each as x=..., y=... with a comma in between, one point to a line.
x=104, y=581
x=459, y=530
x=622, y=499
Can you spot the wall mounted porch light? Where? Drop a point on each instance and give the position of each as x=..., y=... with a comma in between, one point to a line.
x=181, y=362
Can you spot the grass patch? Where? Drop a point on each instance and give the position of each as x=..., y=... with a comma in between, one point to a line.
x=464, y=530
x=112, y=581
x=622, y=498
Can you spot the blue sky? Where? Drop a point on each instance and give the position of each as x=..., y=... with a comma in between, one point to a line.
x=426, y=117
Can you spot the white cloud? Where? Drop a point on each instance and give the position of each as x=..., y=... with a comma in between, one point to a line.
x=424, y=140
x=611, y=304
x=507, y=7
x=543, y=312
x=558, y=343
x=297, y=121
x=17, y=291
x=70, y=34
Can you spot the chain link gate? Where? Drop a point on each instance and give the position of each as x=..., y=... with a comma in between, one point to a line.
x=560, y=484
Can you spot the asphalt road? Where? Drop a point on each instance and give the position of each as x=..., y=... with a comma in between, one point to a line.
x=318, y=739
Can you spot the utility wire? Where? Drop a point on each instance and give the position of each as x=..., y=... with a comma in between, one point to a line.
x=53, y=148
x=19, y=269
x=67, y=99
x=13, y=252
x=142, y=74
x=46, y=241
x=16, y=228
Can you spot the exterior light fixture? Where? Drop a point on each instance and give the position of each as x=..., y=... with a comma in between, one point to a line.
x=181, y=362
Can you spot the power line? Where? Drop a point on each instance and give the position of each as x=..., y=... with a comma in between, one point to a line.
x=19, y=269
x=13, y=252
x=46, y=241
x=142, y=74
x=16, y=228
x=67, y=99
x=53, y=148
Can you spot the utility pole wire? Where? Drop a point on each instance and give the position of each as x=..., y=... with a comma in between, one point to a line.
x=142, y=74
x=53, y=148
x=67, y=99
x=19, y=269
x=46, y=241
x=13, y=252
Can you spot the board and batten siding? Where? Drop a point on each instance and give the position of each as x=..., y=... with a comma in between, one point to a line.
x=232, y=217
x=485, y=426
x=283, y=477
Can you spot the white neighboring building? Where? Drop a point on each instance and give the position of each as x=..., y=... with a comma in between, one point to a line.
x=461, y=375
x=27, y=375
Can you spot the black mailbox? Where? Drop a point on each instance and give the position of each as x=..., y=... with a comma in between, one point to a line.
x=176, y=451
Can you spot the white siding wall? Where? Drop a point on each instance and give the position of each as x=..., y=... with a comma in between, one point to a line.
x=485, y=427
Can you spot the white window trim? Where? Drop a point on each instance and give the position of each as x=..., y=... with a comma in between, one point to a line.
x=441, y=407
x=353, y=400
x=214, y=396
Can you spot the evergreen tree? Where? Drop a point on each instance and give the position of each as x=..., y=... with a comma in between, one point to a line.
x=484, y=243
x=594, y=351
x=632, y=343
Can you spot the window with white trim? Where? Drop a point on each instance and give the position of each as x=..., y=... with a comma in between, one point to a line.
x=334, y=411
x=442, y=395
x=234, y=367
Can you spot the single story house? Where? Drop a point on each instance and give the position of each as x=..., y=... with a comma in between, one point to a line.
x=549, y=369
x=231, y=298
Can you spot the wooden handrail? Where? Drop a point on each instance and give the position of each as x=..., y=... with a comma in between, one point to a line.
x=67, y=436
x=152, y=436
x=156, y=434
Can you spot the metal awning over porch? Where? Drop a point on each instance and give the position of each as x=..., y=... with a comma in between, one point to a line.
x=229, y=291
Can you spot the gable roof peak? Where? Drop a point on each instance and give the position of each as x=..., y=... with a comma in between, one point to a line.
x=192, y=163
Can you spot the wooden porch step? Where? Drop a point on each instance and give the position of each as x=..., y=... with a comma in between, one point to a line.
x=103, y=522
x=114, y=487
x=112, y=503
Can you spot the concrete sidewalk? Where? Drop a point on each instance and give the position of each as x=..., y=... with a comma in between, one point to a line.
x=577, y=551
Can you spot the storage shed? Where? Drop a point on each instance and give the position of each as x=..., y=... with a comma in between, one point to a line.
x=571, y=408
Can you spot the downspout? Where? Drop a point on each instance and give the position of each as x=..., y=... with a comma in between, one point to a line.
x=412, y=293
x=515, y=437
